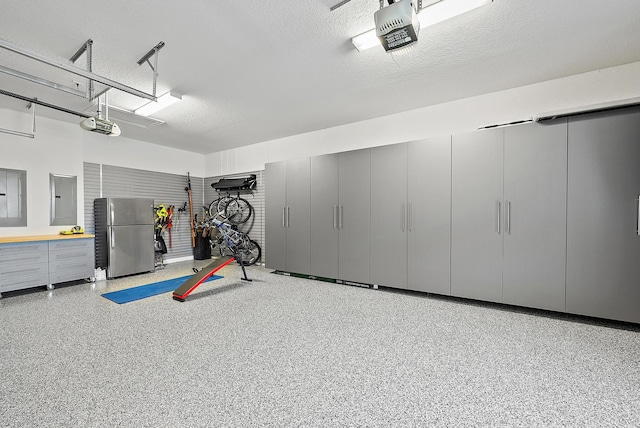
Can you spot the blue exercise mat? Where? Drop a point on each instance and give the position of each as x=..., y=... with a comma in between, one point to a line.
x=143, y=291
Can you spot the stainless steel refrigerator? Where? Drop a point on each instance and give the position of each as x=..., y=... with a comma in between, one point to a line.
x=124, y=235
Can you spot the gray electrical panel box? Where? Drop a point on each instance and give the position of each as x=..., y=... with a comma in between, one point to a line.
x=13, y=198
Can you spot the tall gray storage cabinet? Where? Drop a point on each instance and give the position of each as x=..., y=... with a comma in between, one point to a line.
x=410, y=215
x=287, y=215
x=509, y=215
x=389, y=215
x=429, y=197
x=476, y=217
x=603, y=254
x=334, y=241
x=324, y=216
x=354, y=215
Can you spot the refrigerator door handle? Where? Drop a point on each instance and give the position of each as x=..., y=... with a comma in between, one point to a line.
x=113, y=238
x=111, y=214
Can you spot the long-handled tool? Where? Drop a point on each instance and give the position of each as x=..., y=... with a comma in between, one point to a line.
x=193, y=229
x=170, y=223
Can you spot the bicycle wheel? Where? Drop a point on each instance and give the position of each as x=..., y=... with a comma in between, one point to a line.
x=238, y=210
x=251, y=254
x=222, y=205
x=213, y=207
x=224, y=248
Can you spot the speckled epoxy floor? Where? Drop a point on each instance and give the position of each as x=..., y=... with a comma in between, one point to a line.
x=288, y=352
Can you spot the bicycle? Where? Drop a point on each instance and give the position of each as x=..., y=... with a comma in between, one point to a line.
x=231, y=242
x=235, y=209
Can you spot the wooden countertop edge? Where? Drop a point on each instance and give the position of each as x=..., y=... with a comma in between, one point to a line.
x=14, y=239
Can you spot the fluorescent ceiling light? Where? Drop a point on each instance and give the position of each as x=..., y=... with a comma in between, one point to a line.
x=164, y=101
x=431, y=15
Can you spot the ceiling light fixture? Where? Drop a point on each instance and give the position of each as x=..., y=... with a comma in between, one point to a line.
x=430, y=15
x=164, y=101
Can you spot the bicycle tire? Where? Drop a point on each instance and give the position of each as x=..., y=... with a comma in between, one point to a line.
x=222, y=205
x=238, y=210
x=213, y=207
x=251, y=255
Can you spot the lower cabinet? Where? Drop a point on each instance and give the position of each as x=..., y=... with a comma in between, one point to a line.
x=70, y=260
x=23, y=265
x=45, y=262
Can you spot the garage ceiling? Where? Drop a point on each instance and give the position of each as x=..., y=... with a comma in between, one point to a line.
x=254, y=71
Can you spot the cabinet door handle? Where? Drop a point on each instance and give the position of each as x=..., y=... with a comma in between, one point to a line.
x=498, y=216
x=404, y=217
x=340, y=215
x=507, y=226
x=638, y=228
x=335, y=217
x=410, y=216
x=288, y=216
x=284, y=224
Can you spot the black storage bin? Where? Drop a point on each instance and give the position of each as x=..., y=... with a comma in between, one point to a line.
x=202, y=250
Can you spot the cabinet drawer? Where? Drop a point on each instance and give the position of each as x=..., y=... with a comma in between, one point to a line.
x=22, y=250
x=82, y=263
x=71, y=244
x=18, y=277
x=23, y=259
x=71, y=274
x=70, y=255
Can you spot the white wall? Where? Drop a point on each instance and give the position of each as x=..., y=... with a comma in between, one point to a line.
x=469, y=114
x=53, y=150
x=128, y=153
x=62, y=148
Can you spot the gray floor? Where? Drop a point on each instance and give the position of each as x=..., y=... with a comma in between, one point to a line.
x=288, y=352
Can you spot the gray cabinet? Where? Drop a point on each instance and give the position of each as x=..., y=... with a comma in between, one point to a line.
x=45, y=261
x=476, y=215
x=324, y=216
x=603, y=254
x=275, y=215
x=389, y=215
x=509, y=215
x=354, y=215
x=71, y=259
x=23, y=265
x=288, y=209
x=411, y=215
x=534, y=209
x=429, y=215
x=318, y=215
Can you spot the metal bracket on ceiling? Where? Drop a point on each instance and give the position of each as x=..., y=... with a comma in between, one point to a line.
x=418, y=4
x=86, y=48
x=145, y=58
x=31, y=106
x=77, y=71
x=342, y=3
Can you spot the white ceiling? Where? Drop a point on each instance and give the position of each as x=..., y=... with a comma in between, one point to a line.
x=253, y=71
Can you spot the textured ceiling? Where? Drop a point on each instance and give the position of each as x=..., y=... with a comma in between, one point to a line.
x=254, y=71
